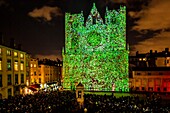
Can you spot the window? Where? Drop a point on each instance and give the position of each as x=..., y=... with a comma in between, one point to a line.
x=9, y=92
x=0, y=64
x=165, y=89
x=39, y=80
x=144, y=59
x=150, y=88
x=137, y=88
x=9, y=79
x=35, y=65
x=31, y=65
x=39, y=74
x=158, y=89
x=22, y=66
x=149, y=73
x=16, y=65
x=22, y=78
x=15, y=54
x=35, y=73
x=143, y=88
x=160, y=73
x=9, y=64
x=16, y=78
x=8, y=53
x=0, y=50
x=21, y=55
x=0, y=80
x=138, y=73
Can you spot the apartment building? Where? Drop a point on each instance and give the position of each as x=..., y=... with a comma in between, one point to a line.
x=14, y=72
x=150, y=71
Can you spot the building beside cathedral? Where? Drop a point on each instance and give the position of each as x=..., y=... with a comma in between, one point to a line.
x=14, y=69
x=95, y=52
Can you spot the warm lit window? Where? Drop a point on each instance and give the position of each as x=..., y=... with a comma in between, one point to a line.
x=22, y=66
x=0, y=50
x=8, y=53
x=21, y=55
x=31, y=65
x=0, y=64
x=15, y=54
x=16, y=65
x=34, y=65
x=144, y=59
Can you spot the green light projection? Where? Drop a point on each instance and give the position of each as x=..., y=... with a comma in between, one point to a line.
x=95, y=53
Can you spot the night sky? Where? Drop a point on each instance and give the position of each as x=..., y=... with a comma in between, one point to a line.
x=39, y=24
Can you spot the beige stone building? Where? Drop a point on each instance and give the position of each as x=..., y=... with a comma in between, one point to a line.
x=45, y=72
x=14, y=70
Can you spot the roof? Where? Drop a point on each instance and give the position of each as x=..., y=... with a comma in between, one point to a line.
x=150, y=68
x=80, y=84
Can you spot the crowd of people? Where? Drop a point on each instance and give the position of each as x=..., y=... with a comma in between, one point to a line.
x=65, y=102
x=127, y=104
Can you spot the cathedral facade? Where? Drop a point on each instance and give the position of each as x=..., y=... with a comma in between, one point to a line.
x=95, y=52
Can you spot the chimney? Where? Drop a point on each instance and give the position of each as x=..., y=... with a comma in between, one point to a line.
x=12, y=43
x=137, y=52
x=166, y=49
x=150, y=51
x=1, y=39
x=19, y=47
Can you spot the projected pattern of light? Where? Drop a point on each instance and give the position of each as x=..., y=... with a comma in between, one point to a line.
x=96, y=54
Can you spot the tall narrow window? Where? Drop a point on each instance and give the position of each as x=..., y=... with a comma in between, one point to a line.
x=16, y=78
x=0, y=64
x=16, y=65
x=10, y=92
x=0, y=50
x=9, y=64
x=8, y=52
x=9, y=79
x=0, y=80
x=39, y=80
x=22, y=78
x=15, y=54
x=21, y=55
x=22, y=66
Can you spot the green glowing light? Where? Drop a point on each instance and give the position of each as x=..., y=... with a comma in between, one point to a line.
x=96, y=54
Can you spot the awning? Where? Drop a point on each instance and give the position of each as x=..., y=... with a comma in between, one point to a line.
x=35, y=85
x=32, y=89
x=50, y=83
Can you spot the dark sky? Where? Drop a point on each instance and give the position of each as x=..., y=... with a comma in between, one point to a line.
x=39, y=24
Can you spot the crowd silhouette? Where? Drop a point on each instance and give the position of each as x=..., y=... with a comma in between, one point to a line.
x=65, y=102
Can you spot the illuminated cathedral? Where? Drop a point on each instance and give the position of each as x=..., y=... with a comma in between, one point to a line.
x=95, y=52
